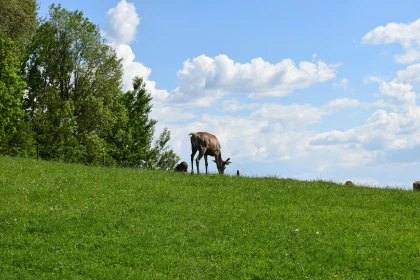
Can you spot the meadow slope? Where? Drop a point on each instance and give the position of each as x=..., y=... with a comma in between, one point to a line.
x=61, y=221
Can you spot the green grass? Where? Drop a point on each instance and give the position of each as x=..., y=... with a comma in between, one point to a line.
x=61, y=221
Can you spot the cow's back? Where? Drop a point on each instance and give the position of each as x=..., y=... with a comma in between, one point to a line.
x=207, y=141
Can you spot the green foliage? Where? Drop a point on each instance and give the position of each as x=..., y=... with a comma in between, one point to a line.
x=73, y=108
x=136, y=148
x=18, y=21
x=11, y=87
x=163, y=157
x=74, y=82
x=17, y=27
x=139, y=126
x=73, y=221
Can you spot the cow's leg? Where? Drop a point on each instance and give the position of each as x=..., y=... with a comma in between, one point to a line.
x=197, y=161
x=205, y=161
x=192, y=160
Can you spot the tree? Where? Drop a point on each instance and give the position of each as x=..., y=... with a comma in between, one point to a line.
x=74, y=108
x=163, y=157
x=18, y=22
x=74, y=84
x=12, y=87
x=137, y=147
x=140, y=128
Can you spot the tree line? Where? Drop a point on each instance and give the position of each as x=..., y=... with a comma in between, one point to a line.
x=61, y=91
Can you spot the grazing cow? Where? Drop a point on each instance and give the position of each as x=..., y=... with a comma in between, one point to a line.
x=207, y=145
x=182, y=167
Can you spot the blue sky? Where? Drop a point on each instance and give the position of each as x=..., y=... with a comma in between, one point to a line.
x=302, y=89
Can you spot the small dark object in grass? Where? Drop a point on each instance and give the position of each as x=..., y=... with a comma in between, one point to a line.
x=349, y=183
x=237, y=172
x=182, y=167
x=416, y=186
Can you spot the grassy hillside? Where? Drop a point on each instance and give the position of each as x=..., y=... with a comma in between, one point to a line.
x=61, y=221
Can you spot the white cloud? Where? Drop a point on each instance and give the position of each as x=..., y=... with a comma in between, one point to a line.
x=288, y=115
x=401, y=33
x=244, y=139
x=159, y=95
x=343, y=83
x=382, y=131
x=234, y=105
x=272, y=133
x=170, y=114
x=395, y=92
x=281, y=139
x=410, y=56
x=131, y=67
x=122, y=23
x=120, y=30
x=343, y=103
x=266, y=132
x=398, y=93
x=407, y=35
x=384, y=135
x=410, y=75
x=375, y=79
x=206, y=76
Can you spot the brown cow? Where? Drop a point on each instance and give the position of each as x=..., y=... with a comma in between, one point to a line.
x=207, y=145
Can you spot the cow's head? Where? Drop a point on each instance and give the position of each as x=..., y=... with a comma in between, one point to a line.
x=221, y=166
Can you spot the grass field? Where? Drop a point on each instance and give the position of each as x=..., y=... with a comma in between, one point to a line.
x=61, y=221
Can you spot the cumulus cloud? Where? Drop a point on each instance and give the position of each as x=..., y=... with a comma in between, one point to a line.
x=396, y=93
x=171, y=114
x=131, y=67
x=382, y=131
x=410, y=56
x=221, y=75
x=385, y=134
x=287, y=115
x=234, y=105
x=122, y=23
x=343, y=83
x=280, y=134
x=120, y=29
x=266, y=132
x=402, y=33
x=407, y=35
x=334, y=137
x=244, y=138
x=343, y=103
x=410, y=75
